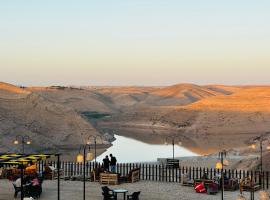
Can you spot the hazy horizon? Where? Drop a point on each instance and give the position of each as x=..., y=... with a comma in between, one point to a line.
x=144, y=42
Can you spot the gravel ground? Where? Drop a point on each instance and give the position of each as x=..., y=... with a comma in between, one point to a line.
x=72, y=190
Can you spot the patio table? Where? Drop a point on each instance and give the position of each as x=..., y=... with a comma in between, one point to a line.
x=123, y=191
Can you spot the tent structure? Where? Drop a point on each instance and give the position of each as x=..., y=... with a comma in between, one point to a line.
x=21, y=160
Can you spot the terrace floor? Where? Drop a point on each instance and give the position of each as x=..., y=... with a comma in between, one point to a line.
x=72, y=190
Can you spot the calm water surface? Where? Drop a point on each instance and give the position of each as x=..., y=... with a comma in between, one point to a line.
x=128, y=150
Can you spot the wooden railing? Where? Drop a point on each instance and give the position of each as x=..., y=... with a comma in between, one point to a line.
x=156, y=172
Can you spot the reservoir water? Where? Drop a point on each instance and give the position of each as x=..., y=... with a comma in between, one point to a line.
x=128, y=150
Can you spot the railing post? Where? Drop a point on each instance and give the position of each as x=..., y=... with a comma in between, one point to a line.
x=180, y=174
x=267, y=180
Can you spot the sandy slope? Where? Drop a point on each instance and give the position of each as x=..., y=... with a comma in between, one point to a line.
x=207, y=118
x=50, y=125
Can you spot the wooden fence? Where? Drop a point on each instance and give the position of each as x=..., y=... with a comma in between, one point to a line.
x=156, y=172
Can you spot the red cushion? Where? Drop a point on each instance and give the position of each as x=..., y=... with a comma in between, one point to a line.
x=200, y=188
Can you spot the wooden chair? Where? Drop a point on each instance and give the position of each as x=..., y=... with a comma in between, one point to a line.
x=248, y=184
x=231, y=184
x=108, y=193
x=17, y=190
x=52, y=173
x=132, y=176
x=95, y=175
x=134, y=196
x=185, y=181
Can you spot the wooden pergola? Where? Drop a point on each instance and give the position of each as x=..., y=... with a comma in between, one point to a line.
x=21, y=160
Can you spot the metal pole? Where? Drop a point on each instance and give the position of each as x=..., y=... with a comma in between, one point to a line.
x=222, y=178
x=96, y=152
x=261, y=161
x=173, y=147
x=22, y=192
x=261, y=156
x=22, y=144
x=58, y=176
x=84, y=172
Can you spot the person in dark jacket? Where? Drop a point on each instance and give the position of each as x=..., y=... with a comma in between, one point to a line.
x=113, y=163
x=106, y=163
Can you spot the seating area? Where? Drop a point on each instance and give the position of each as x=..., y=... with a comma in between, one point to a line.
x=111, y=194
x=212, y=186
x=115, y=178
x=22, y=171
x=32, y=187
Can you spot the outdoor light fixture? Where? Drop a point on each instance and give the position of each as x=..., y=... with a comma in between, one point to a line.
x=94, y=139
x=23, y=139
x=219, y=165
x=79, y=158
x=260, y=139
x=173, y=139
x=89, y=156
x=226, y=162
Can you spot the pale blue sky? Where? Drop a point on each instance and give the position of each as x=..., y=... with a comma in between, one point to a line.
x=138, y=42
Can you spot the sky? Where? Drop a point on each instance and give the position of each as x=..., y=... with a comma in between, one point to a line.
x=134, y=42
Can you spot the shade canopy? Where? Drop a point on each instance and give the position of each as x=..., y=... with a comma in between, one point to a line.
x=19, y=159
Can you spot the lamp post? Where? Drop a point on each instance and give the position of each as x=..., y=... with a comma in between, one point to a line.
x=220, y=165
x=260, y=139
x=173, y=139
x=23, y=139
x=82, y=158
x=94, y=139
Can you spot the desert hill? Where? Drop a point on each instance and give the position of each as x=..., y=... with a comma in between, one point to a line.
x=181, y=94
x=50, y=125
x=225, y=119
x=206, y=118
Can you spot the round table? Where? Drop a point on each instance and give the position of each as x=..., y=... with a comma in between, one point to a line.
x=116, y=191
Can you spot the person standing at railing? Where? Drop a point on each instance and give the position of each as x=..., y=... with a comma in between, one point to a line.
x=113, y=163
x=106, y=163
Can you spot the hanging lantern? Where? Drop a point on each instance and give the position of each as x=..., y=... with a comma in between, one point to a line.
x=263, y=195
x=79, y=158
x=268, y=147
x=253, y=146
x=16, y=142
x=218, y=165
x=226, y=162
x=89, y=156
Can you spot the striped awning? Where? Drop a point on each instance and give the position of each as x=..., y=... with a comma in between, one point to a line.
x=18, y=159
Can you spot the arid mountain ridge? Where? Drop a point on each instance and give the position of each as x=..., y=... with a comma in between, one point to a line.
x=206, y=118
